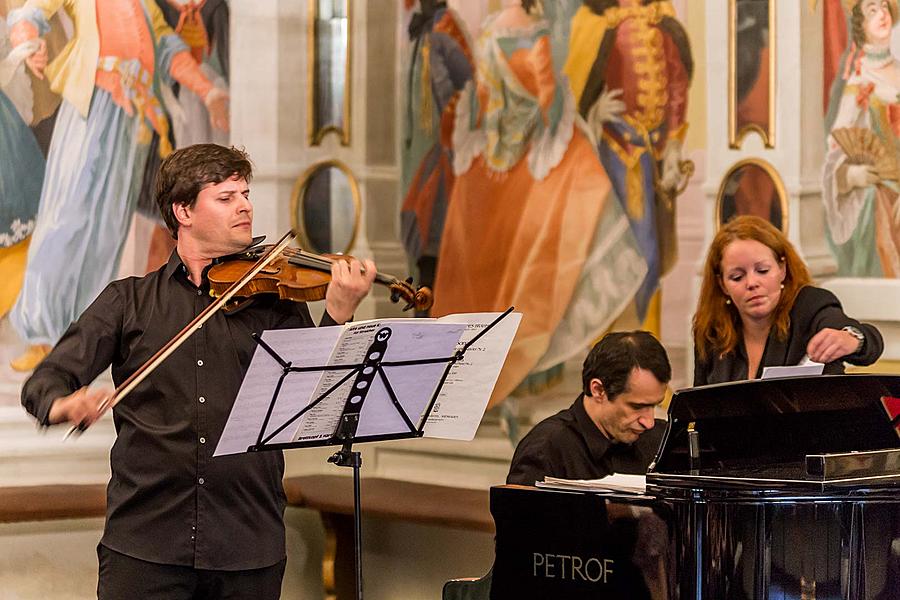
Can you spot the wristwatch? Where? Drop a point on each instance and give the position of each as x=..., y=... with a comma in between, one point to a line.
x=855, y=332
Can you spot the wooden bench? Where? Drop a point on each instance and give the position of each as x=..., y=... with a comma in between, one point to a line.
x=330, y=495
x=52, y=502
x=422, y=503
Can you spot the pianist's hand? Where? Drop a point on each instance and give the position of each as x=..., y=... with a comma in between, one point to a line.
x=831, y=344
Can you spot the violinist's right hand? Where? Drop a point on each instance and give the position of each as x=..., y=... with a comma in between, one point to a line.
x=80, y=408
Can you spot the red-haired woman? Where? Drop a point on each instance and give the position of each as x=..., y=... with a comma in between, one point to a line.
x=757, y=308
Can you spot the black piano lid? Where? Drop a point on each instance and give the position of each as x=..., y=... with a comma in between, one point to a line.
x=802, y=433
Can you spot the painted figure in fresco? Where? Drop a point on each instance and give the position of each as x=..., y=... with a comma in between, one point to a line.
x=109, y=76
x=203, y=26
x=630, y=67
x=45, y=102
x=531, y=222
x=860, y=192
x=21, y=167
x=441, y=65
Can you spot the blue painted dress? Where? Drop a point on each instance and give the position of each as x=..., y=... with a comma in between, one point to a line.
x=21, y=174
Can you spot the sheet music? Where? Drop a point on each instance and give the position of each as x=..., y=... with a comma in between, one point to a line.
x=344, y=346
x=413, y=385
x=806, y=367
x=253, y=399
x=464, y=397
x=617, y=482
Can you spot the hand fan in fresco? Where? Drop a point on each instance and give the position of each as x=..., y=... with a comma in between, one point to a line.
x=863, y=147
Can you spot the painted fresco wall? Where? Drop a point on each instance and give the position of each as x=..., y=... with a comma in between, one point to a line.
x=542, y=158
x=862, y=125
x=92, y=95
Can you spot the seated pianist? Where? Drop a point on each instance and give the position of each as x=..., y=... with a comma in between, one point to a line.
x=611, y=427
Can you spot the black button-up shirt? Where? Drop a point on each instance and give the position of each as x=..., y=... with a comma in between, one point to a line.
x=168, y=500
x=571, y=446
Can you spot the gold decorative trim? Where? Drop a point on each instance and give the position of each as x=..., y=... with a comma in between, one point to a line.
x=316, y=132
x=771, y=171
x=298, y=196
x=735, y=136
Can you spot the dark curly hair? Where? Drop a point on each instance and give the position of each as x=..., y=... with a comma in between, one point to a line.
x=188, y=170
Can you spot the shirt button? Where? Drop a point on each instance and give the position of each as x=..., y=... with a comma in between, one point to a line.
x=193, y=538
x=202, y=399
x=199, y=292
x=200, y=481
x=203, y=440
x=199, y=363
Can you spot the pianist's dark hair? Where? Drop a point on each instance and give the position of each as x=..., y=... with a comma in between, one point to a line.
x=717, y=324
x=614, y=357
x=188, y=170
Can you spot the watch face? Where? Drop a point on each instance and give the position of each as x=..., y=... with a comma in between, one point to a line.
x=855, y=332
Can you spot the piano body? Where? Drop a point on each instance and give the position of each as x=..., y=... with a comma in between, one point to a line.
x=768, y=489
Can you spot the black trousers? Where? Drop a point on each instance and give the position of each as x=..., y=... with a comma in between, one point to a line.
x=123, y=577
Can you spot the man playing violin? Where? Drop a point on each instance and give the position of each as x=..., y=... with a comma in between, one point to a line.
x=180, y=523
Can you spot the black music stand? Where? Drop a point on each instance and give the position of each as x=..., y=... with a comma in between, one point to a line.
x=345, y=433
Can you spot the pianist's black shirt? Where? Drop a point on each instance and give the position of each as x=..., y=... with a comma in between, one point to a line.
x=169, y=500
x=571, y=446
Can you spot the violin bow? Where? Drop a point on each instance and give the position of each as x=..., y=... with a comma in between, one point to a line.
x=163, y=353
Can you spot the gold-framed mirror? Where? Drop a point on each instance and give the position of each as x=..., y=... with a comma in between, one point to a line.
x=752, y=187
x=326, y=208
x=328, y=69
x=751, y=71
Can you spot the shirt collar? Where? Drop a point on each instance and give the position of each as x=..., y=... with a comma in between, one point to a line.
x=175, y=265
x=597, y=443
x=176, y=268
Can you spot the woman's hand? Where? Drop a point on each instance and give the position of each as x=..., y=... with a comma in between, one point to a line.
x=831, y=344
x=37, y=59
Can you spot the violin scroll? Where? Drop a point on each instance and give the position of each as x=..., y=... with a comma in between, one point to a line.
x=420, y=298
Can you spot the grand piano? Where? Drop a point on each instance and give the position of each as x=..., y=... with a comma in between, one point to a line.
x=766, y=489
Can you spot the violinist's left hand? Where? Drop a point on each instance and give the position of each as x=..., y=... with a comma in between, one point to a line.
x=831, y=344
x=350, y=282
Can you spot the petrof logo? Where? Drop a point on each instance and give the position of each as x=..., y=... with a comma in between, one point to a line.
x=576, y=568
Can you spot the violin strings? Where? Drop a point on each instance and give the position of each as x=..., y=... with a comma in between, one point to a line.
x=323, y=262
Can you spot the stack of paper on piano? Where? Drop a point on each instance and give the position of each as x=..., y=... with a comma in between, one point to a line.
x=618, y=482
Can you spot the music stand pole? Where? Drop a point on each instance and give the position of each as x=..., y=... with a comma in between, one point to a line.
x=347, y=457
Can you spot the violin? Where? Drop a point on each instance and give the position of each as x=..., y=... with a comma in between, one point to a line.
x=261, y=276
x=298, y=276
